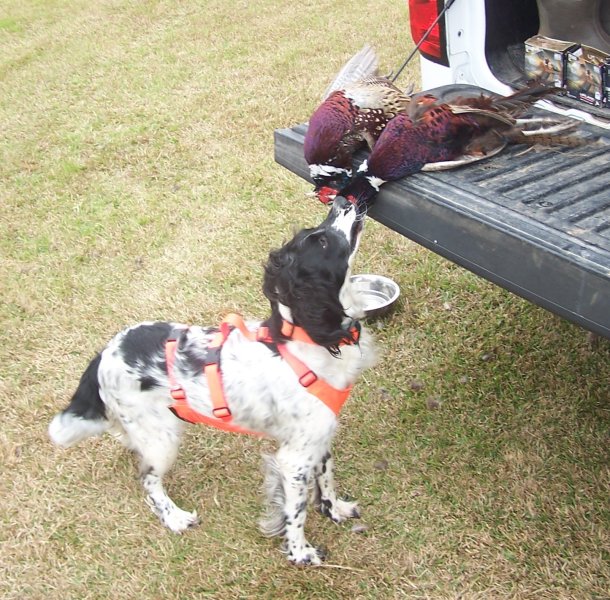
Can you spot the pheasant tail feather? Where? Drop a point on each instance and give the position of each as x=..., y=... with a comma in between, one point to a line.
x=363, y=64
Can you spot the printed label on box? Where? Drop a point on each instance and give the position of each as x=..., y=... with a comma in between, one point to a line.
x=545, y=60
x=584, y=75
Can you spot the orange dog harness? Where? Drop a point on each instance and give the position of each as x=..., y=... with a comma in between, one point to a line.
x=332, y=397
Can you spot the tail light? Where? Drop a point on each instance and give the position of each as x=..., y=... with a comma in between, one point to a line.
x=421, y=15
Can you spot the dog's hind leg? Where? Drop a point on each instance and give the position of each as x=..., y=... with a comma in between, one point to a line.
x=163, y=506
x=157, y=445
x=325, y=496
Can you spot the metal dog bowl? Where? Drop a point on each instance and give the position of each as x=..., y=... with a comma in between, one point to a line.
x=377, y=292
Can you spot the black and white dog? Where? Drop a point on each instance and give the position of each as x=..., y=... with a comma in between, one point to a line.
x=126, y=388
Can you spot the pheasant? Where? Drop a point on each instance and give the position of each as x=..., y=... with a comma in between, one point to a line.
x=435, y=135
x=356, y=107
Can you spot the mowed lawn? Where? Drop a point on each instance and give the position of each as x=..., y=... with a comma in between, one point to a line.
x=137, y=182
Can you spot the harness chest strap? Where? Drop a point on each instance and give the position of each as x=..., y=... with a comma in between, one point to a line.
x=332, y=397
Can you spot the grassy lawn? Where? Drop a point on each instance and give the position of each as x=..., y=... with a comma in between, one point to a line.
x=138, y=182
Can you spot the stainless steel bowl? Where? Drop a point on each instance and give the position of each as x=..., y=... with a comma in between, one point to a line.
x=377, y=292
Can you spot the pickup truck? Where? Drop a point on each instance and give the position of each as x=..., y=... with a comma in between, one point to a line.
x=537, y=221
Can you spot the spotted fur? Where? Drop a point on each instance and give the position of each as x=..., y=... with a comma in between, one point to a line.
x=125, y=389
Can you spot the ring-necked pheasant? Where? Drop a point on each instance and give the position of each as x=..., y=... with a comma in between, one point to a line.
x=356, y=107
x=435, y=135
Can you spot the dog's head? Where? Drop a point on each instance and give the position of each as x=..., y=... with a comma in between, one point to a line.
x=307, y=280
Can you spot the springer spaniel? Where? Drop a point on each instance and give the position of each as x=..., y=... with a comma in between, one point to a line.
x=126, y=388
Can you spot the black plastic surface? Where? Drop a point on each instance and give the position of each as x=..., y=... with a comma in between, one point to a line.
x=534, y=222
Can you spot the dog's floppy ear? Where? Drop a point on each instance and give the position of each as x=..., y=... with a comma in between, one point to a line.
x=279, y=260
x=311, y=296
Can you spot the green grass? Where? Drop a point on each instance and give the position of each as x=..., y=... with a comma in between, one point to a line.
x=138, y=182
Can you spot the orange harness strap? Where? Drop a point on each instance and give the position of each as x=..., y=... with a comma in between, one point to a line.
x=182, y=409
x=332, y=397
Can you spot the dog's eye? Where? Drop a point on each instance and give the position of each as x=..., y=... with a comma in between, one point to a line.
x=323, y=242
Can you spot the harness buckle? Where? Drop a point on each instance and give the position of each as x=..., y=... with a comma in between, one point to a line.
x=308, y=379
x=263, y=334
x=354, y=333
x=288, y=329
x=222, y=412
x=177, y=393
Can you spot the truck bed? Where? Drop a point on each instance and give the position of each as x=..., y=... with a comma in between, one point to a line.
x=535, y=222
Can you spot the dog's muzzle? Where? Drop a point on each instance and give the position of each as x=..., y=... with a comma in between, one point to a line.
x=345, y=217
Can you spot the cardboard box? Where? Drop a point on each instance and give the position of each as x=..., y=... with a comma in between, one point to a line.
x=546, y=59
x=584, y=74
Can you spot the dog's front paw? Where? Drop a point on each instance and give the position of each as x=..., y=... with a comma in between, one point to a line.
x=180, y=520
x=172, y=517
x=306, y=555
x=340, y=510
x=346, y=510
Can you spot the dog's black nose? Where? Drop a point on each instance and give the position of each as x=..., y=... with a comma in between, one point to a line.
x=341, y=203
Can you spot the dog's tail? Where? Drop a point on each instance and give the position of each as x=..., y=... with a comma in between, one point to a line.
x=85, y=416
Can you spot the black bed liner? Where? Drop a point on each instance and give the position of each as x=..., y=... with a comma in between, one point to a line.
x=535, y=222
